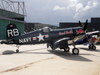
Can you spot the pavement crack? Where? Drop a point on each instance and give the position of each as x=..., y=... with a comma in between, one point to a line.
x=24, y=66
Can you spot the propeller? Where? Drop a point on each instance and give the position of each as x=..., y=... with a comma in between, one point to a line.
x=84, y=25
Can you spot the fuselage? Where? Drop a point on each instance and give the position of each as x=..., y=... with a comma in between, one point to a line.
x=47, y=35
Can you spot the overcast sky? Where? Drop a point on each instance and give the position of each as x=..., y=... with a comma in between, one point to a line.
x=55, y=11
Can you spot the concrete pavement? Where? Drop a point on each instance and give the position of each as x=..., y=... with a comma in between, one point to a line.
x=38, y=60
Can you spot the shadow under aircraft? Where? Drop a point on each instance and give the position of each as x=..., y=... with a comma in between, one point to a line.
x=68, y=56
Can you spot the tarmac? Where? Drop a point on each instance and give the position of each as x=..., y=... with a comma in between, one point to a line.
x=39, y=60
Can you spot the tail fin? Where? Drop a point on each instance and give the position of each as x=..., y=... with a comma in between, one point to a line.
x=12, y=31
x=84, y=25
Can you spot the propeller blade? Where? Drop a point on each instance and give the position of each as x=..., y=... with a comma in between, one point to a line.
x=84, y=25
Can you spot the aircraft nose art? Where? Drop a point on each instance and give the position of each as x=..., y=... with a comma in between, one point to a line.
x=80, y=31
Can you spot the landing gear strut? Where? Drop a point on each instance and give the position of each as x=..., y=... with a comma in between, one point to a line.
x=92, y=47
x=75, y=50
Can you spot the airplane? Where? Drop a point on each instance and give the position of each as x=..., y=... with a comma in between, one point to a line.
x=59, y=38
x=91, y=39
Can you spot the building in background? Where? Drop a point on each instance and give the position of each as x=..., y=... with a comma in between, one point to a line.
x=94, y=25
x=15, y=12
x=11, y=12
x=34, y=26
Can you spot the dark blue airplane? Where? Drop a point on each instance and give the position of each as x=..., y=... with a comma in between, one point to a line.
x=59, y=38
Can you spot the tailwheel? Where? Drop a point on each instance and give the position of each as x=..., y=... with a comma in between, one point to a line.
x=17, y=50
x=66, y=49
x=75, y=51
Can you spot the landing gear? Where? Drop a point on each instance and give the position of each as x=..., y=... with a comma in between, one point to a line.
x=17, y=50
x=75, y=51
x=64, y=45
x=66, y=49
x=92, y=47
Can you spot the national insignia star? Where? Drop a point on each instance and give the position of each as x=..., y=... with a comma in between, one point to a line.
x=40, y=37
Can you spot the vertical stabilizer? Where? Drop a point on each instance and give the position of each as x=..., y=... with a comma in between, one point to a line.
x=12, y=31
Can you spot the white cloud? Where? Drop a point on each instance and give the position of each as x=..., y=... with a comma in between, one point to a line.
x=58, y=8
x=77, y=6
x=47, y=11
x=74, y=1
x=90, y=5
x=80, y=9
x=94, y=4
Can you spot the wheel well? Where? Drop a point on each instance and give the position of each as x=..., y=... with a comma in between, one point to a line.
x=63, y=44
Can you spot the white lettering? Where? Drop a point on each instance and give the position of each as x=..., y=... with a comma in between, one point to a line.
x=10, y=33
x=20, y=41
x=24, y=40
x=15, y=31
x=30, y=39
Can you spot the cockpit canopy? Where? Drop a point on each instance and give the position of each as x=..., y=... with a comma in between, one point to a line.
x=47, y=29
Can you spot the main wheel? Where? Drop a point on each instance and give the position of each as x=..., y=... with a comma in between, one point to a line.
x=66, y=49
x=17, y=51
x=75, y=51
x=94, y=47
x=90, y=46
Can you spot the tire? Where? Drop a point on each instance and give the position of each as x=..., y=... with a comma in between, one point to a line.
x=75, y=51
x=66, y=49
x=90, y=46
x=17, y=51
x=94, y=47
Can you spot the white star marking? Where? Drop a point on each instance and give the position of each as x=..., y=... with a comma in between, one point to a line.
x=40, y=37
